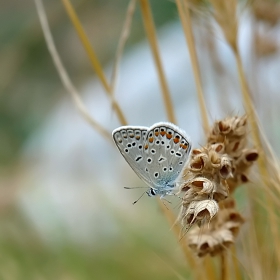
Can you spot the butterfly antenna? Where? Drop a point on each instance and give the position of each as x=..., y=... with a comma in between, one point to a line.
x=138, y=198
x=128, y=188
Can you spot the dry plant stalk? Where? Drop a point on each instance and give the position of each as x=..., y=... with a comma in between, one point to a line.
x=93, y=59
x=151, y=35
x=184, y=13
x=213, y=173
x=64, y=75
x=225, y=15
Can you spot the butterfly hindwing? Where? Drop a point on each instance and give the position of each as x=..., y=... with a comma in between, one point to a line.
x=129, y=140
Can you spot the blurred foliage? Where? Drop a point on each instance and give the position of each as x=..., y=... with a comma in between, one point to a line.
x=130, y=254
x=29, y=84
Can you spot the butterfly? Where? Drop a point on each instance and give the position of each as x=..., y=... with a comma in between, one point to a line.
x=157, y=154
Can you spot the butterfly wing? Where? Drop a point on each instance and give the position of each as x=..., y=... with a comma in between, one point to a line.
x=129, y=140
x=167, y=149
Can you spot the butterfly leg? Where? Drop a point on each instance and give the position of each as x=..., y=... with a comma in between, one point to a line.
x=162, y=197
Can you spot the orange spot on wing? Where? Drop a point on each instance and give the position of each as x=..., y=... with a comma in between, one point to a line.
x=151, y=139
x=137, y=137
x=184, y=146
x=162, y=133
x=169, y=136
x=176, y=140
x=156, y=133
x=146, y=146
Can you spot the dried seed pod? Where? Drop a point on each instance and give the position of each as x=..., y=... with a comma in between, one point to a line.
x=225, y=167
x=201, y=210
x=202, y=185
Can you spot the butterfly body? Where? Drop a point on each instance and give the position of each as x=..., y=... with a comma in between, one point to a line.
x=157, y=154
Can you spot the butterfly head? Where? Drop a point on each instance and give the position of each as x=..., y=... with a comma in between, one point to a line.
x=151, y=192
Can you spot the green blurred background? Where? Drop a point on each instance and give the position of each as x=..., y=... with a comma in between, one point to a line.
x=29, y=89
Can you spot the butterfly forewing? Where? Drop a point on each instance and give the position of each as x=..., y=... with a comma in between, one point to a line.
x=129, y=140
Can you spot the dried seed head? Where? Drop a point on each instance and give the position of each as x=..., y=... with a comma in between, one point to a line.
x=219, y=234
x=213, y=172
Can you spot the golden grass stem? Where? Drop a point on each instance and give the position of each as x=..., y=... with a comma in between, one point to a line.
x=151, y=34
x=185, y=18
x=209, y=267
x=252, y=116
x=93, y=58
x=123, y=38
x=224, y=266
x=199, y=274
x=238, y=275
x=84, y=39
x=63, y=74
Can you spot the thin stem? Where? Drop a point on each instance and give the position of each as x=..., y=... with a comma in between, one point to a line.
x=238, y=275
x=252, y=116
x=63, y=74
x=177, y=231
x=123, y=38
x=151, y=34
x=224, y=266
x=93, y=58
x=187, y=27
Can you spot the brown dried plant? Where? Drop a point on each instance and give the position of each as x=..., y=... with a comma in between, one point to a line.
x=213, y=173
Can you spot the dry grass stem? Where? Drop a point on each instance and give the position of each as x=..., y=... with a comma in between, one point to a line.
x=236, y=267
x=151, y=34
x=93, y=58
x=224, y=12
x=185, y=18
x=63, y=74
x=123, y=38
x=177, y=229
